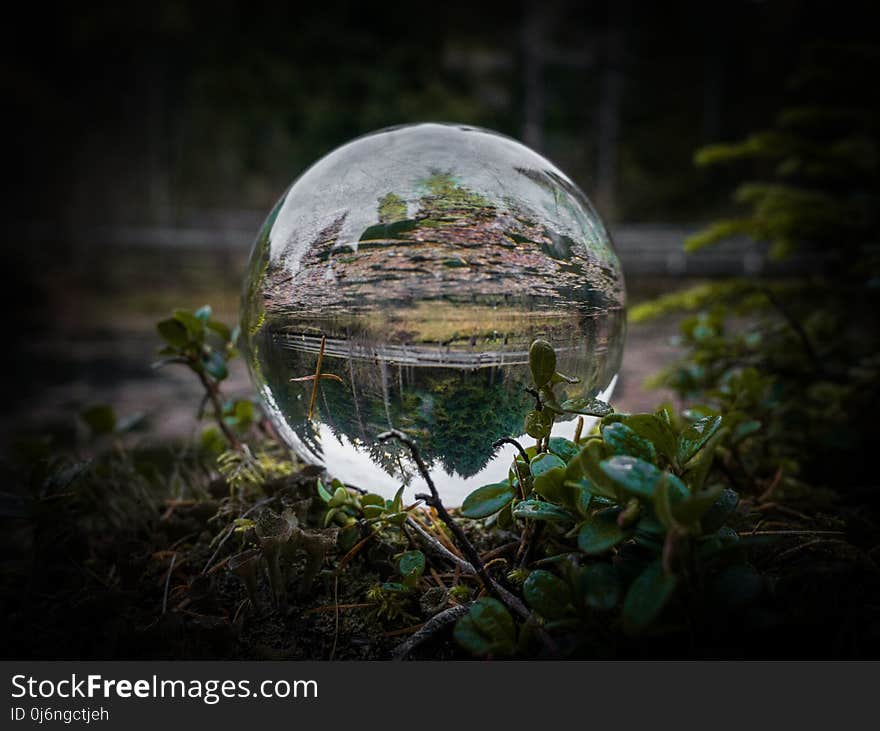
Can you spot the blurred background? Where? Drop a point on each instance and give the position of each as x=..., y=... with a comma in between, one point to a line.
x=149, y=140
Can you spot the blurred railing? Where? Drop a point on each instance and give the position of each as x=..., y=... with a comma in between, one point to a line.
x=644, y=248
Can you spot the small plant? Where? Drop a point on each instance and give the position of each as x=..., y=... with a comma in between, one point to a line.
x=205, y=346
x=626, y=516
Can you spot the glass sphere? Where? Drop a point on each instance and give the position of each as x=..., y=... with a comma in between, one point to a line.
x=412, y=268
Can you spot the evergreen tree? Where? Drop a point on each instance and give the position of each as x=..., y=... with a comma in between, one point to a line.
x=794, y=362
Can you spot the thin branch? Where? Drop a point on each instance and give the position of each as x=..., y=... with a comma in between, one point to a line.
x=511, y=440
x=317, y=377
x=796, y=326
x=435, y=502
x=439, y=548
x=231, y=529
x=168, y=583
x=434, y=625
x=211, y=390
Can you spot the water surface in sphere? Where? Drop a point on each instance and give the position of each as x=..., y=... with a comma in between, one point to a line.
x=427, y=258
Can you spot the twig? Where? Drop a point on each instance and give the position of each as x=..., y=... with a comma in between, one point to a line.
x=474, y=564
x=435, y=502
x=211, y=390
x=231, y=529
x=434, y=625
x=441, y=550
x=336, y=602
x=808, y=544
x=168, y=583
x=511, y=440
x=796, y=326
x=837, y=533
x=317, y=377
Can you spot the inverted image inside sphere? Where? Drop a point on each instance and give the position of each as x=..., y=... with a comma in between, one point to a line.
x=418, y=263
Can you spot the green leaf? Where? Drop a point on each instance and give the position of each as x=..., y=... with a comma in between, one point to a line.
x=101, y=419
x=322, y=491
x=647, y=596
x=488, y=499
x=600, y=532
x=621, y=439
x=563, y=448
x=548, y=475
x=211, y=440
x=585, y=469
x=586, y=406
x=397, y=503
x=203, y=314
x=651, y=427
x=545, y=462
x=221, y=330
x=663, y=505
x=537, y=424
x=340, y=497
x=551, y=405
x=562, y=378
x=194, y=326
x=597, y=586
x=215, y=364
x=717, y=514
x=173, y=332
x=487, y=629
x=411, y=566
x=547, y=594
x=640, y=478
x=695, y=436
x=697, y=468
x=541, y=510
x=542, y=362
x=689, y=511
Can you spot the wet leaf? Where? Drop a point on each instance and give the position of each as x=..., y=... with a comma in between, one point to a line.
x=585, y=469
x=600, y=532
x=537, y=424
x=541, y=510
x=695, y=436
x=487, y=629
x=546, y=593
x=721, y=509
x=563, y=448
x=543, y=463
x=488, y=499
x=647, y=596
x=542, y=362
x=651, y=427
x=620, y=439
x=586, y=406
x=640, y=478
